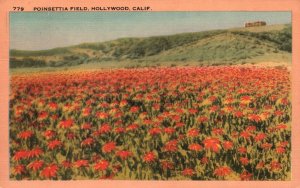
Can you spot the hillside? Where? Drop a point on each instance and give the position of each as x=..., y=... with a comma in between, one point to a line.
x=231, y=46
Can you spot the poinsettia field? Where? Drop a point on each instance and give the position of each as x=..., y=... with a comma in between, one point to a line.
x=197, y=123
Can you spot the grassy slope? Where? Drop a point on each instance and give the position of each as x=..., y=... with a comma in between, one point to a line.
x=232, y=46
x=227, y=48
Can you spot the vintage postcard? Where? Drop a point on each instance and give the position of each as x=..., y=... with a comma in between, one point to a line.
x=141, y=93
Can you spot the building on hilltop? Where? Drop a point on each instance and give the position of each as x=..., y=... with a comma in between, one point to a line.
x=255, y=24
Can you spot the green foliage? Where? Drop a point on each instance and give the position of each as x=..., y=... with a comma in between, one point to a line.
x=285, y=39
x=51, y=52
x=70, y=60
x=26, y=62
x=98, y=46
x=155, y=45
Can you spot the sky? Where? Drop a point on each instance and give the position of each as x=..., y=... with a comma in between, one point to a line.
x=46, y=30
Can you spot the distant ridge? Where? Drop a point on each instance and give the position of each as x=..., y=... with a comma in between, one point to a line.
x=234, y=46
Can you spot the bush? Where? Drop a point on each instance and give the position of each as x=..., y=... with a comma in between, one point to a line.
x=26, y=62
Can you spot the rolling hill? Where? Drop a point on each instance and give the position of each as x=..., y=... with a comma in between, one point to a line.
x=230, y=46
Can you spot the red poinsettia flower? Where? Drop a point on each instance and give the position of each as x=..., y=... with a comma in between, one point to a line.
x=188, y=172
x=35, y=152
x=81, y=163
x=123, y=103
x=134, y=109
x=53, y=105
x=66, y=164
x=154, y=131
x=195, y=147
x=260, y=165
x=36, y=165
x=167, y=165
x=105, y=128
x=123, y=154
x=227, y=145
x=86, y=126
x=119, y=130
x=281, y=127
x=193, y=132
x=169, y=130
x=244, y=160
x=212, y=144
x=246, y=176
x=280, y=150
x=108, y=147
x=251, y=128
x=266, y=146
x=49, y=134
x=149, y=157
x=101, y=165
x=202, y=119
x=222, y=171
x=43, y=115
x=204, y=160
x=54, y=144
x=275, y=165
x=218, y=131
x=86, y=111
x=260, y=136
x=50, y=171
x=180, y=124
x=87, y=142
x=242, y=150
x=245, y=135
x=254, y=117
x=102, y=115
x=19, y=169
x=193, y=111
x=22, y=154
x=25, y=134
x=66, y=123
x=132, y=127
x=171, y=146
